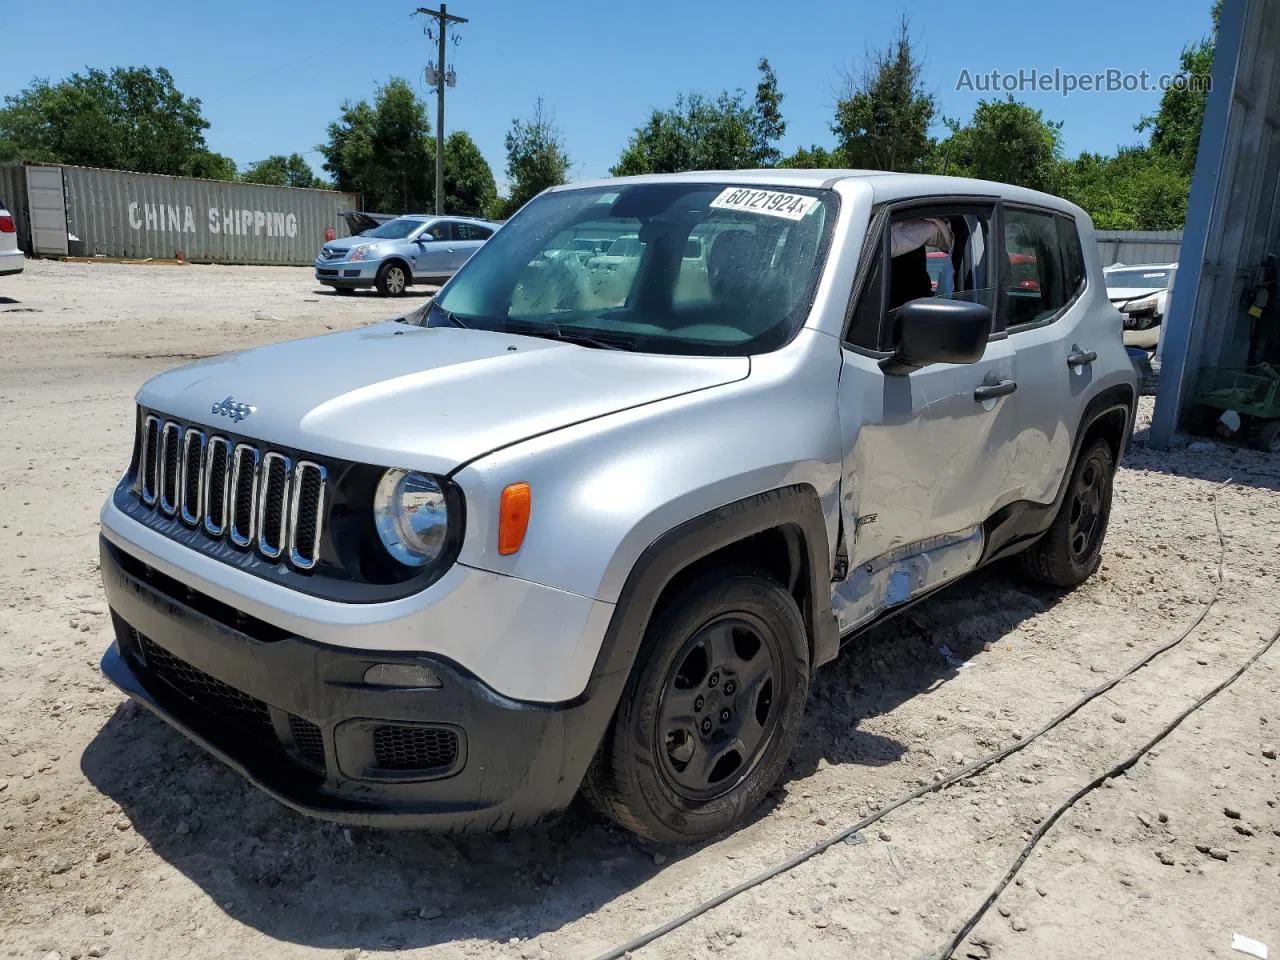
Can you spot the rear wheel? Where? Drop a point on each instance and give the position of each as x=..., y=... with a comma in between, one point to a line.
x=710, y=713
x=1071, y=549
x=392, y=279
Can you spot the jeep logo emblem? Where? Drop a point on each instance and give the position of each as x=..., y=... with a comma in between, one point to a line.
x=233, y=408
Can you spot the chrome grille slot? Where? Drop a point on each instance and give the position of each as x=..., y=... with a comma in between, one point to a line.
x=257, y=498
x=149, y=468
x=193, y=450
x=170, y=467
x=217, y=481
x=306, y=513
x=242, y=516
x=273, y=505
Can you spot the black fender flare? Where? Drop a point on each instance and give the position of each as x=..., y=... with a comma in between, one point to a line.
x=1017, y=526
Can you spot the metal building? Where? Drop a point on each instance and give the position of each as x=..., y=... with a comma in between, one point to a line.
x=82, y=211
x=1233, y=220
x=1138, y=246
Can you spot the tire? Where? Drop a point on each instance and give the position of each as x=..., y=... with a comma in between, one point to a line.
x=710, y=712
x=1071, y=549
x=393, y=279
x=1267, y=439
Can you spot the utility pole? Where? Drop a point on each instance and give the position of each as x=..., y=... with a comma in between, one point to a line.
x=443, y=78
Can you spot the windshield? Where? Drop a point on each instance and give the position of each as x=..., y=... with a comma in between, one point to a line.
x=1138, y=279
x=396, y=229
x=695, y=268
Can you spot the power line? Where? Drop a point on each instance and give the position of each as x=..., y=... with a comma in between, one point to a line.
x=442, y=78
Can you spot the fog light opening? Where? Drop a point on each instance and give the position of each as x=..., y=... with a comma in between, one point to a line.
x=403, y=675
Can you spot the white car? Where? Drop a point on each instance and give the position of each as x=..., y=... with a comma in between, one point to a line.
x=1141, y=293
x=11, y=259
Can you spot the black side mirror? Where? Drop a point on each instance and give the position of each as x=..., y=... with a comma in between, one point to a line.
x=938, y=331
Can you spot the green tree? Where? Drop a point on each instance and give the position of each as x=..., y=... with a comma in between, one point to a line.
x=812, y=157
x=382, y=151
x=883, y=121
x=536, y=158
x=210, y=166
x=1008, y=142
x=132, y=118
x=767, y=125
x=704, y=133
x=469, y=188
x=281, y=171
x=1175, y=126
x=1137, y=189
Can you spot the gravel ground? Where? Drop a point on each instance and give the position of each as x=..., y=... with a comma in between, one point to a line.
x=120, y=838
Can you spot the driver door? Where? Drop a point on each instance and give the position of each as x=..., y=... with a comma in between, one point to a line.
x=432, y=258
x=925, y=457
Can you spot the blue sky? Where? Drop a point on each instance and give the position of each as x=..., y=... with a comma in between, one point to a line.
x=272, y=74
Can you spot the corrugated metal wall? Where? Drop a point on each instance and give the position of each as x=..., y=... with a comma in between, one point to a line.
x=1233, y=218
x=119, y=214
x=1139, y=246
x=13, y=191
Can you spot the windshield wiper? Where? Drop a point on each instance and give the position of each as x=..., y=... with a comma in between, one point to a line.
x=581, y=338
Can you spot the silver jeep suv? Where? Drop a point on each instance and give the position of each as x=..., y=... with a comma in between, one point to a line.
x=556, y=533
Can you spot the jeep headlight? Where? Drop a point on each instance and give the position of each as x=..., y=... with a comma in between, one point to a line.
x=412, y=517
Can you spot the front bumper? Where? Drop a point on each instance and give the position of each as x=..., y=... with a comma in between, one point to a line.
x=295, y=717
x=343, y=273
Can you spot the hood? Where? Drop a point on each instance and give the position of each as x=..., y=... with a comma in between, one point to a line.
x=358, y=221
x=346, y=243
x=423, y=398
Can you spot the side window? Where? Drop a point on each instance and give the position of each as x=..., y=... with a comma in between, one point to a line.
x=438, y=231
x=1033, y=270
x=933, y=253
x=1072, y=256
x=471, y=231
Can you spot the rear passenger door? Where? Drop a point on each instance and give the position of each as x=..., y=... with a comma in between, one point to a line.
x=1041, y=310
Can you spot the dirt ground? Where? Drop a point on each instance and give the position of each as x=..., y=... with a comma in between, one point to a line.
x=121, y=838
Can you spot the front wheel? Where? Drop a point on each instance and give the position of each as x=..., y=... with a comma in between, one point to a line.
x=1071, y=549
x=392, y=280
x=710, y=713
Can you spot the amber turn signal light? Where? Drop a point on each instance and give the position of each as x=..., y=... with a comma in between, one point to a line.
x=513, y=518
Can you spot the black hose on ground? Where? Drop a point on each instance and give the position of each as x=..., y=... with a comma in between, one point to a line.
x=706, y=906
x=954, y=943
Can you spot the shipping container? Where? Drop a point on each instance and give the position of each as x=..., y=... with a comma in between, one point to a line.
x=113, y=213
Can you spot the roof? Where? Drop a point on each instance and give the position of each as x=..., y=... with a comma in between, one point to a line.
x=884, y=184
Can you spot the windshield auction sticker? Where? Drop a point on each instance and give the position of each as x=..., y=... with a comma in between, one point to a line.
x=773, y=203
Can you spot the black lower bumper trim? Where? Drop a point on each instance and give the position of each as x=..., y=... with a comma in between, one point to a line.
x=296, y=719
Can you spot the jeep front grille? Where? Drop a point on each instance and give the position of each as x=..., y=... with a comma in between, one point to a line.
x=256, y=499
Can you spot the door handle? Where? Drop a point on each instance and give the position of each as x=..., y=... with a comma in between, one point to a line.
x=989, y=391
x=1080, y=357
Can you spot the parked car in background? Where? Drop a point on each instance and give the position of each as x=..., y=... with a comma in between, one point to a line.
x=11, y=259
x=545, y=534
x=1141, y=293
x=392, y=256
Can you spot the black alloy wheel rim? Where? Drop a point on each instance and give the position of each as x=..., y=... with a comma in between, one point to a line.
x=1088, y=506
x=720, y=705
